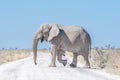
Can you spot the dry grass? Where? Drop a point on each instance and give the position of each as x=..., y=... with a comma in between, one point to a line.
x=11, y=55
x=107, y=59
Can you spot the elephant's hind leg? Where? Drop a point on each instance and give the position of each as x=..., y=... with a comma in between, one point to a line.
x=74, y=62
x=87, y=64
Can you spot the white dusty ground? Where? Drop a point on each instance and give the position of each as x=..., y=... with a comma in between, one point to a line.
x=25, y=70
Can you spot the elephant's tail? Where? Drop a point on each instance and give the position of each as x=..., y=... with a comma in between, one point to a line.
x=90, y=49
x=90, y=42
x=88, y=38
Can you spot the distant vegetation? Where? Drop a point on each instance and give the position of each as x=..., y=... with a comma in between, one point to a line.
x=107, y=47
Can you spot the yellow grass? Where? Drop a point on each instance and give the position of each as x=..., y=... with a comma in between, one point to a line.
x=108, y=60
x=11, y=55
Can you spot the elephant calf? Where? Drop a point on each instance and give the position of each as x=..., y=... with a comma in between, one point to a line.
x=64, y=38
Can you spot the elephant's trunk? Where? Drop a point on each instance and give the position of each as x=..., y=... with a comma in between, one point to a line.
x=35, y=43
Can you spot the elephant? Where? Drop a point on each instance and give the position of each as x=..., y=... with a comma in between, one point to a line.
x=74, y=39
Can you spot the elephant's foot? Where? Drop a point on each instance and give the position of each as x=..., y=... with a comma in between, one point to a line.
x=73, y=65
x=52, y=65
x=64, y=62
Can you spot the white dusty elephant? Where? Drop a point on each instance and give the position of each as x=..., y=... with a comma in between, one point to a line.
x=64, y=38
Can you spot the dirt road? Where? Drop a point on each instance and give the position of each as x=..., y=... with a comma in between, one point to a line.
x=25, y=70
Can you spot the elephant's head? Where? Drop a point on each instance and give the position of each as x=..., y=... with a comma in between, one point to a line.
x=46, y=33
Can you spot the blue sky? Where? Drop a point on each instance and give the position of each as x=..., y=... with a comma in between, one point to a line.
x=20, y=19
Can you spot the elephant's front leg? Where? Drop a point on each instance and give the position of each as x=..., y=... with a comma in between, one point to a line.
x=74, y=62
x=53, y=56
x=61, y=54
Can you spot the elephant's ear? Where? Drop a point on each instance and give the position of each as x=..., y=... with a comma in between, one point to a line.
x=54, y=31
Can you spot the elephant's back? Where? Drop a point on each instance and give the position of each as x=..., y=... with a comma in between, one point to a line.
x=72, y=29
